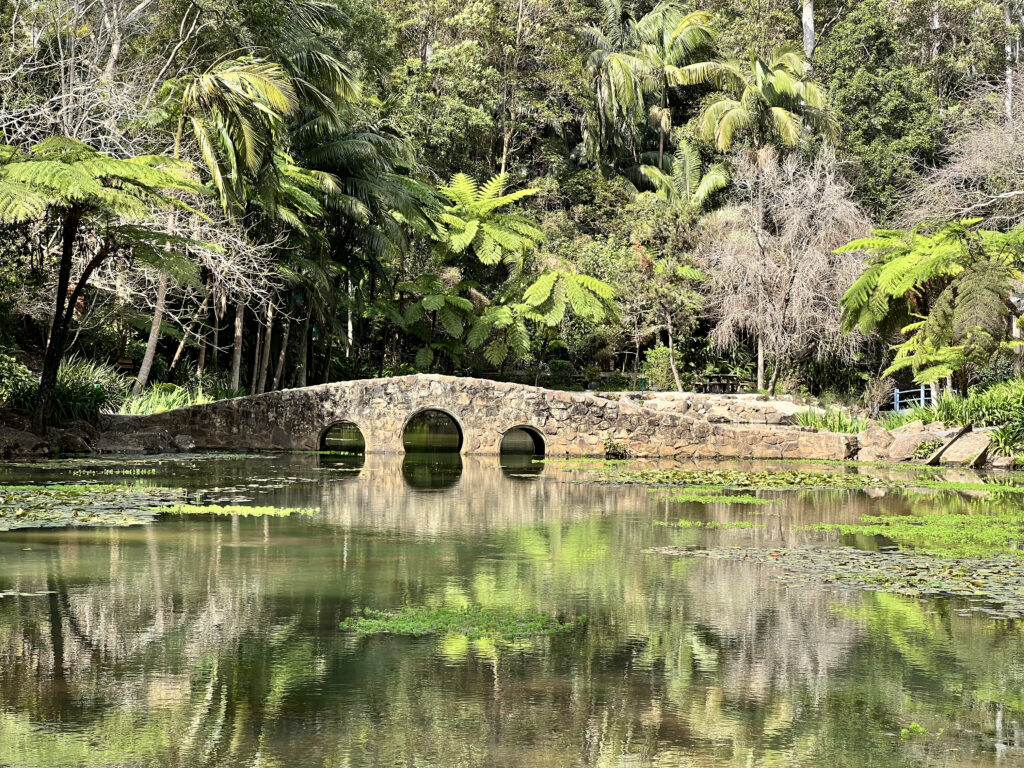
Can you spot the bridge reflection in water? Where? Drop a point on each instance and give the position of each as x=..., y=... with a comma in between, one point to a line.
x=213, y=642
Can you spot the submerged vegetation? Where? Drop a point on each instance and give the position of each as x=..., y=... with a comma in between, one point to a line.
x=992, y=585
x=471, y=621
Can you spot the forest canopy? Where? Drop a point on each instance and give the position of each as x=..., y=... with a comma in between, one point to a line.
x=232, y=196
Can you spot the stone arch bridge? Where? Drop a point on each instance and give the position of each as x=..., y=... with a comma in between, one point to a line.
x=570, y=424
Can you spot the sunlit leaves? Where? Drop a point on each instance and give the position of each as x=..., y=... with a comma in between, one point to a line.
x=472, y=221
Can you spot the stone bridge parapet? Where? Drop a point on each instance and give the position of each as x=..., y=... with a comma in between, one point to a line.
x=571, y=424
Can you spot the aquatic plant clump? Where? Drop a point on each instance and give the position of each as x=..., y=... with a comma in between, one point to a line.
x=711, y=524
x=731, y=478
x=992, y=585
x=472, y=621
x=712, y=495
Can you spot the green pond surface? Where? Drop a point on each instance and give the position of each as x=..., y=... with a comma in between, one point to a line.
x=217, y=640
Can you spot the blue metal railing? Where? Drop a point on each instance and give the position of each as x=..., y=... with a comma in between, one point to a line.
x=908, y=398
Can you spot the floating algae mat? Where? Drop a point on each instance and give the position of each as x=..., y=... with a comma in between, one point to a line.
x=791, y=480
x=992, y=585
x=57, y=506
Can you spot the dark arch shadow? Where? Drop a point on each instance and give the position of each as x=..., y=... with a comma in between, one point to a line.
x=343, y=437
x=432, y=430
x=522, y=441
x=431, y=471
x=520, y=448
x=347, y=465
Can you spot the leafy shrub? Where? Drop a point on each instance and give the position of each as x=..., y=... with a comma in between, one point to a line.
x=82, y=390
x=832, y=420
x=562, y=375
x=216, y=384
x=591, y=374
x=615, y=382
x=999, y=404
x=13, y=376
x=657, y=369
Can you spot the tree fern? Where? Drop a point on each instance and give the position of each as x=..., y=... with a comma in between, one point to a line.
x=957, y=280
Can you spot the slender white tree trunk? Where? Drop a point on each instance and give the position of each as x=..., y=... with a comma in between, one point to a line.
x=154, y=334
x=1008, y=49
x=350, y=337
x=196, y=320
x=201, y=363
x=672, y=353
x=760, y=364
x=807, y=24
x=236, y=352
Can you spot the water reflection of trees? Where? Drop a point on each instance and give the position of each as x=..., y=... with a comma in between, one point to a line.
x=214, y=643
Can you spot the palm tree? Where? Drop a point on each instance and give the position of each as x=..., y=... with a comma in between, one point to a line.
x=233, y=112
x=768, y=101
x=681, y=179
x=632, y=59
x=675, y=50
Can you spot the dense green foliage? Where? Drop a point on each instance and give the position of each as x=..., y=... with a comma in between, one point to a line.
x=310, y=191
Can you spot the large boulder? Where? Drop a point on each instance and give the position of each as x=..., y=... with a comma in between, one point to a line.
x=20, y=442
x=141, y=441
x=908, y=446
x=910, y=428
x=967, y=451
x=874, y=443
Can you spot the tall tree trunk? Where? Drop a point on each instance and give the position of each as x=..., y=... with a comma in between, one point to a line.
x=350, y=330
x=776, y=369
x=236, y=353
x=301, y=365
x=256, y=357
x=218, y=313
x=672, y=353
x=281, y=356
x=807, y=25
x=327, y=361
x=154, y=334
x=760, y=363
x=268, y=338
x=61, y=319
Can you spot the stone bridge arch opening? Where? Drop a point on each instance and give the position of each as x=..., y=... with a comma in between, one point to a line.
x=522, y=440
x=343, y=437
x=432, y=430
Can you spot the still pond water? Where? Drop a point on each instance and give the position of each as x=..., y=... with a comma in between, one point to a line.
x=215, y=641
